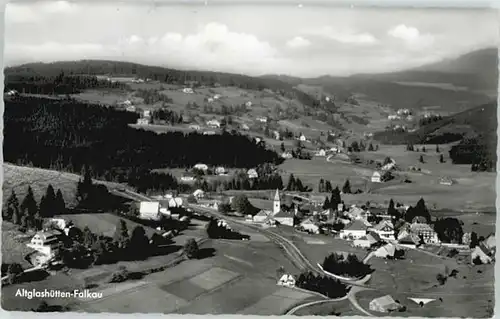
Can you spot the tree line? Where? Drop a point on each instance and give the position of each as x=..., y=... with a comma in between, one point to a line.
x=332, y=288
x=349, y=266
x=29, y=214
x=58, y=84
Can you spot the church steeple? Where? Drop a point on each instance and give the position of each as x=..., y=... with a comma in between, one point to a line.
x=277, y=202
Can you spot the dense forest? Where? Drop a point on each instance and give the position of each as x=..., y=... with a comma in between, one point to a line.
x=68, y=135
x=57, y=84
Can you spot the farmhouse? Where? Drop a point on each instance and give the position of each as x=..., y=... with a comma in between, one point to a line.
x=376, y=177
x=143, y=121
x=248, y=104
x=357, y=213
x=220, y=170
x=286, y=280
x=354, y=231
x=321, y=152
x=213, y=124
x=481, y=252
x=188, y=90
x=425, y=231
x=12, y=93
x=490, y=242
x=45, y=242
x=446, y=181
x=187, y=178
x=209, y=133
x=302, y=138
x=317, y=200
x=146, y=113
x=195, y=127
x=284, y=218
x=384, y=304
x=245, y=127
x=201, y=167
x=130, y=108
x=385, y=229
x=210, y=100
x=149, y=210
x=38, y=258
x=276, y=135
x=286, y=155
x=385, y=251
x=199, y=193
x=310, y=226
x=262, y=216
x=252, y=173
x=262, y=119
x=216, y=96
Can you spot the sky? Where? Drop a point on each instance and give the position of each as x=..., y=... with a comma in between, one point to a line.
x=292, y=39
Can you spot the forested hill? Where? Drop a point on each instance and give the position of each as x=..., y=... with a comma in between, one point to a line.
x=476, y=129
x=68, y=135
x=157, y=73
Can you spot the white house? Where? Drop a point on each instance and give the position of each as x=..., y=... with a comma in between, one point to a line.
x=149, y=210
x=309, y=225
x=195, y=127
x=248, y=104
x=385, y=251
x=425, y=231
x=245, y=127
x=261, y=216
x=276, y=135
x=46, y=242
x=393, y=117
x=210, y=100
x=201, y=167
x=213, y=124
x=287, y=281
x=199, y=193
x=252, y=173
x=384, y=304
x=146, y=113
x=216, y=96
x=12, y=93
x=481, y=252
x=286, y=155
x=334, y=149
x=446, y=181
x=130, y=108
x=362, y=242
x=143, y=121
x=321, y=152
x=284, y=218
x=220, y=170
x=187, y=178
x=354, y=231
x=262, y=119
x=302, y=138
x=209, y=133
x=188, y=90
x=127, y=103
x=376, y=177
x=385, y=229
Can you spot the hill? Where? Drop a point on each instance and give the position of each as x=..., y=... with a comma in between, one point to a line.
x=475, y=130
x=475, y=71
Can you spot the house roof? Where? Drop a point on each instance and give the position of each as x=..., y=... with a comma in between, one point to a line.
x=420, y=227
x=263, y=213
x=376, y=174
x=373, y=237
x=388, y=250
x=383, y=224
x=283, y=214
x=356, y=225
x=385, y=301
x=198, y=191
x=149, y=207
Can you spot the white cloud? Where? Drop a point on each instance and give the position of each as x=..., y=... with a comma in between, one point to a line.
x=36, y=12
x=298, y=42
x=343, y=35
x=213, y=47
x=411, y=36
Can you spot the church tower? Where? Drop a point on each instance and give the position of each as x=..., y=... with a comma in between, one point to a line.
x=277, y=203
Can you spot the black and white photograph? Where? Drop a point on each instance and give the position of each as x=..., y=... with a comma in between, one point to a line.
x=249, y=158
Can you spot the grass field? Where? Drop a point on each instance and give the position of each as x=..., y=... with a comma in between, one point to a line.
x=217, y=285
x=467, y=295
x=18, y=178
x=341, y=308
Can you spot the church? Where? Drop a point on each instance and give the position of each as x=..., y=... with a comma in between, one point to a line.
x=279, y=215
